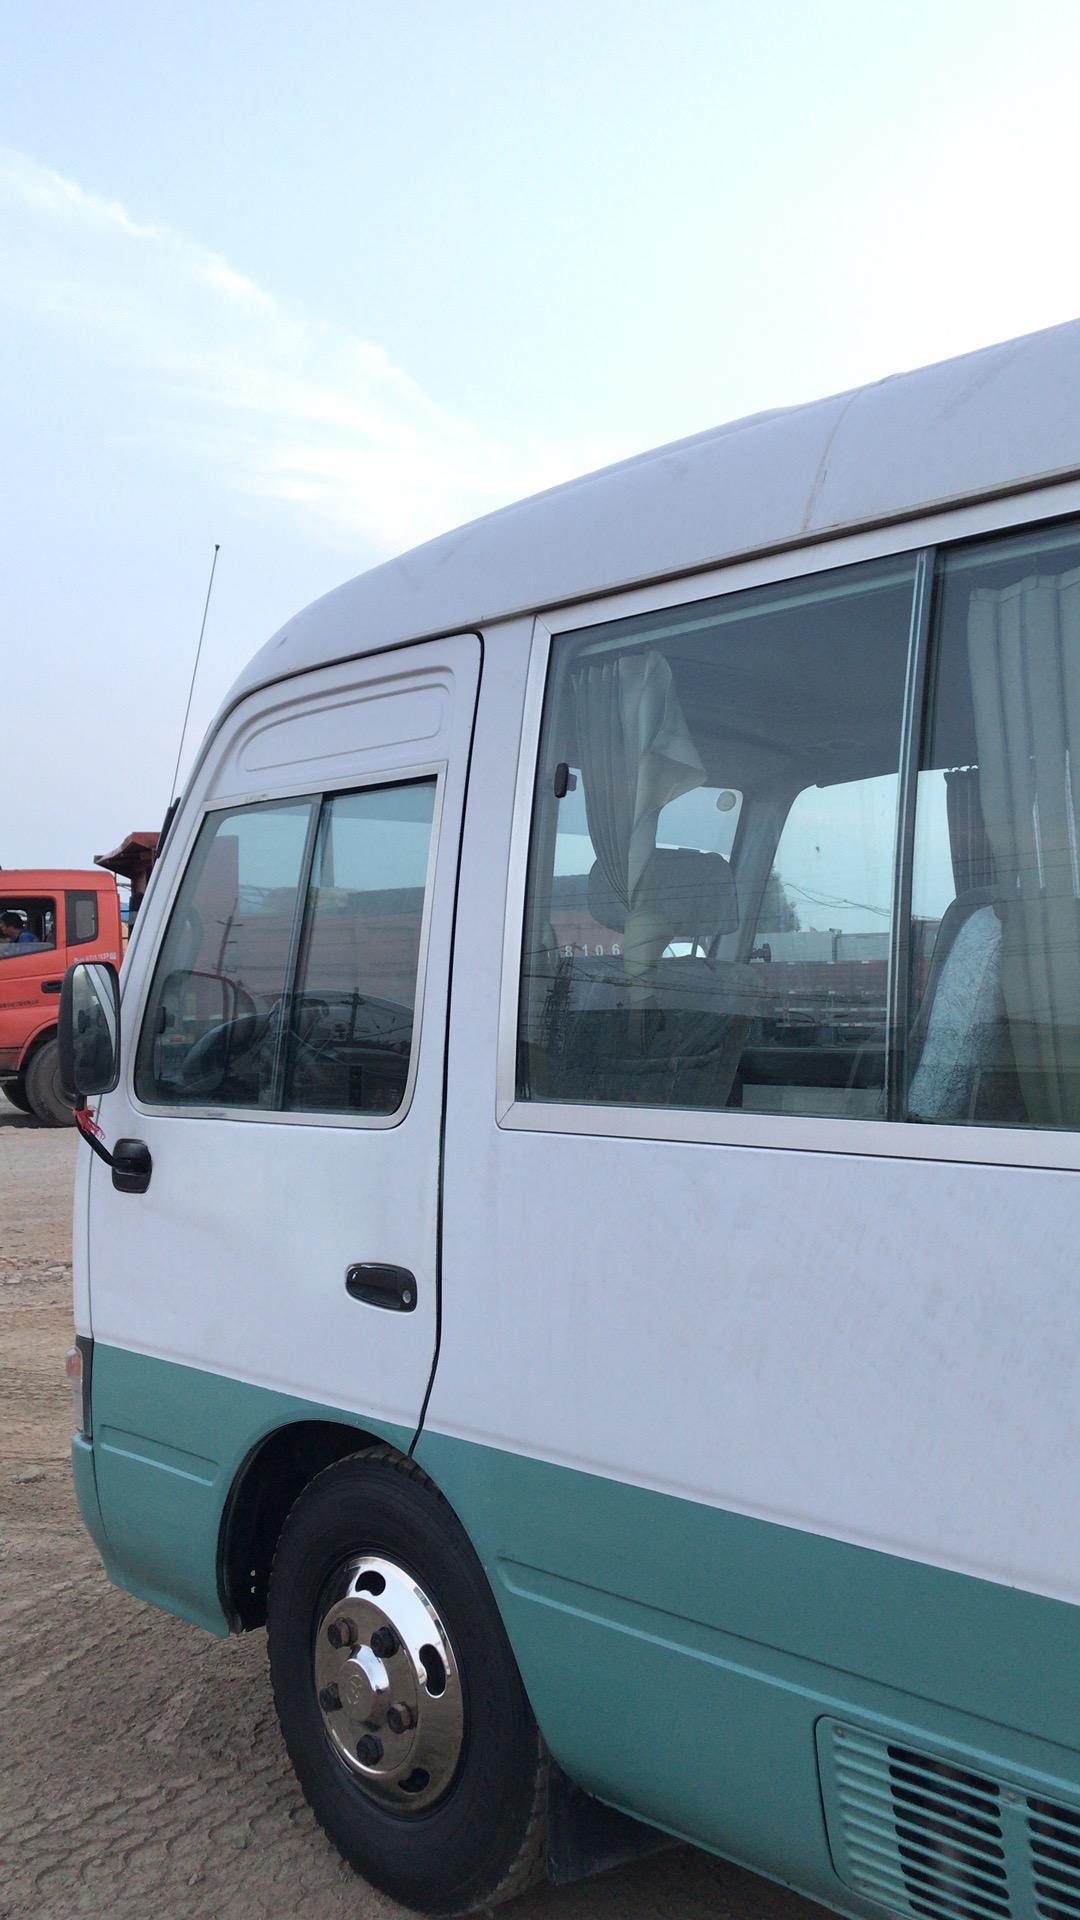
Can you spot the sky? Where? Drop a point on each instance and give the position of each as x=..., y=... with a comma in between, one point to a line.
x=318, y=282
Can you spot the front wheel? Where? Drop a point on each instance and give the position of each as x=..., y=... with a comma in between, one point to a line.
x=43, y=1092
x=399, y=1697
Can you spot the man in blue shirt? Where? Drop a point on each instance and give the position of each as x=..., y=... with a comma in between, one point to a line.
x=15, y=933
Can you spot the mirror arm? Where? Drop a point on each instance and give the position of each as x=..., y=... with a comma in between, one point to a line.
x=91, y=1133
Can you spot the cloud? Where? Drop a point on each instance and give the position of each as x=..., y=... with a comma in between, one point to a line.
x=220, y=370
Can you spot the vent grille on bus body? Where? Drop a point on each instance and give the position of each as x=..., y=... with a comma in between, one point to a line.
x=936, y=1841
x=1054, y=1834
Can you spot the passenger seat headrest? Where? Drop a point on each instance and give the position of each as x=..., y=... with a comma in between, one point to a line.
x=692, y=894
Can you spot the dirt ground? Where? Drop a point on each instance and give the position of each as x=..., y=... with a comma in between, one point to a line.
x=142, y=1769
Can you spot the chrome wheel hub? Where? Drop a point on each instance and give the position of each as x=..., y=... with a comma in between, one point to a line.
x=387, y=1682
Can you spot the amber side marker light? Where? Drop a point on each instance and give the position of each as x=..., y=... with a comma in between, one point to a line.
x=77, y=1369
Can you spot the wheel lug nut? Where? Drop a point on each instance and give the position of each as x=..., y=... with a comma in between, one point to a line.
x=369, y=1750
x=399, y=1718
x=340, y=1633
x=384, y=1642
x=329, y=1699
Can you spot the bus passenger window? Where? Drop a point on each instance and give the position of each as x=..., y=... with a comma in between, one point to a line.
x=823, y=934
x=995, y=949
x=709, y=901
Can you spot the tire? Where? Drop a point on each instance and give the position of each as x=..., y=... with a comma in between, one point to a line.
x=444, y=1811
x=15, y=1091
x=43, y=1096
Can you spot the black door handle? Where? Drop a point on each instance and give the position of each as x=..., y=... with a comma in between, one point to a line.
x=131, y=1166
x=51, y=986
x=378, y=1286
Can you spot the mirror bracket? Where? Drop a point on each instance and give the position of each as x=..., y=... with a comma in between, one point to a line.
x=92, y=1133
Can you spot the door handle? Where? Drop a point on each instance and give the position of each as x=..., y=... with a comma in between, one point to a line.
x=379, y=1286
x=51, y=986
x=131, y=1166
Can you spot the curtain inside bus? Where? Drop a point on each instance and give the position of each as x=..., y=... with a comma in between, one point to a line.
x=1024, y=653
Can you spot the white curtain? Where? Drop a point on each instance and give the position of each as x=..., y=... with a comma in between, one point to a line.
x=1024, y=653
x=636, y=754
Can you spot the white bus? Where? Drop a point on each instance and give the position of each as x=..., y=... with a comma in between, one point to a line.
x=582, y=1238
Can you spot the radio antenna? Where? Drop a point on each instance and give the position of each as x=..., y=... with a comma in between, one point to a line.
x=194, y=671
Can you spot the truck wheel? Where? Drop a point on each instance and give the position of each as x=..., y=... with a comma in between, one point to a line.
x=15, y=1091
x=398, y=1695
x=43, y=1095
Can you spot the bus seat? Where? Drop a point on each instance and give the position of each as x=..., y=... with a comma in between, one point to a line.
x=691, y=894
x=670, y=1033
x=964, y=1068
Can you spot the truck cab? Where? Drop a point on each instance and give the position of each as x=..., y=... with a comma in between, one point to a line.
x=48, y=918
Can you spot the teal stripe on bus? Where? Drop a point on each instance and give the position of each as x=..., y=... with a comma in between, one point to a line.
x=169, y=1442
x=679, y=1657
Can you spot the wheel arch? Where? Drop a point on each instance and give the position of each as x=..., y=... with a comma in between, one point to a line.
x=37, y=1040
x=269, y=1479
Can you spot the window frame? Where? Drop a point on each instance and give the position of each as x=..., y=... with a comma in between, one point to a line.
x=319, y=796
x=924, y=537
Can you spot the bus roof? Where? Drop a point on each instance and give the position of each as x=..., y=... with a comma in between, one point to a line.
x=987, y=423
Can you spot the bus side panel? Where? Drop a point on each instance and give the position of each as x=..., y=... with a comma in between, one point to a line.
x=640, y=1337
x=691, y=1700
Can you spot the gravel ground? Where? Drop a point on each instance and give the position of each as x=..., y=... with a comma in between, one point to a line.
x=142, y=1768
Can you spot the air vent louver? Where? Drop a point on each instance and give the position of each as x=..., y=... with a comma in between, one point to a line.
x=1054, y=1834
x=933, y=1840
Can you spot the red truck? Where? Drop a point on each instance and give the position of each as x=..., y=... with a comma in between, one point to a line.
x=48, y=918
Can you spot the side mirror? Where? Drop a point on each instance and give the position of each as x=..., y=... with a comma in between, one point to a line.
x=89, y=1030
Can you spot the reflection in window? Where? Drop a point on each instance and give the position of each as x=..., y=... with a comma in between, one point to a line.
x=709, y=901
x=351, y=1029
x=273, y=992
x=995, y=982
x=215, y=1020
